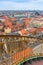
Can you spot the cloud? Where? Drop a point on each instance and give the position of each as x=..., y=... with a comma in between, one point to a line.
x=38, y=0
x=10, y=5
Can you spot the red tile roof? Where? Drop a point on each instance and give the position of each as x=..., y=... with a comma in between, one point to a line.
x=24, y=32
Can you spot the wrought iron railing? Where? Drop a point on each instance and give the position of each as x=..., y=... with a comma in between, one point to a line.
x=10, y=45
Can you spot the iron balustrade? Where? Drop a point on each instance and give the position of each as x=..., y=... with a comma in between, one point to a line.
x=11, y=44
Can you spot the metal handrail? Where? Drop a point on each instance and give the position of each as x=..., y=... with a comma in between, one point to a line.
x=13, y=36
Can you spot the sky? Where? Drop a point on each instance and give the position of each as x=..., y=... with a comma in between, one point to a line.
x=21, y=4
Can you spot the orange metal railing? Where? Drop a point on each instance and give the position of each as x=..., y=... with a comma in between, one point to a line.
x=19, y=48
